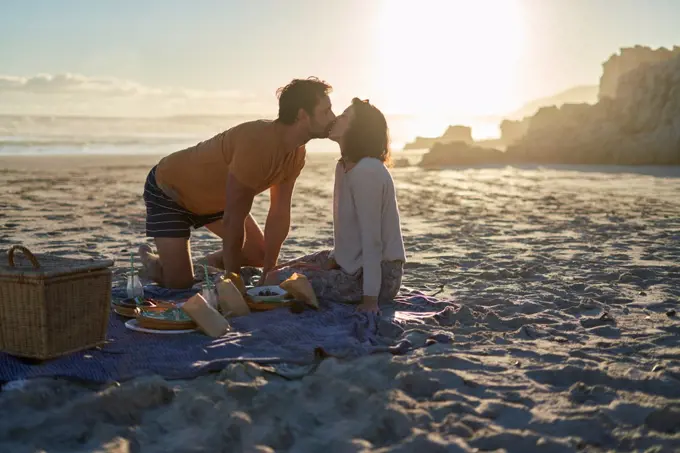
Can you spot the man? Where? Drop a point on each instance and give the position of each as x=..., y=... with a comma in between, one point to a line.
x=214, y=183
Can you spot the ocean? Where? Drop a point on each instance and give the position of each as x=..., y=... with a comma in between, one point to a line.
x=31, y=135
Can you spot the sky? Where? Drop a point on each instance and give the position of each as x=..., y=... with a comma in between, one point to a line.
x=422, y=57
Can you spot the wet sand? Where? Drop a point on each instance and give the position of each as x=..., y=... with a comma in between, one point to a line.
x=568, y=279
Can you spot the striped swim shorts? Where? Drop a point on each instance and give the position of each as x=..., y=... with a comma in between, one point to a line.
x=165, y=218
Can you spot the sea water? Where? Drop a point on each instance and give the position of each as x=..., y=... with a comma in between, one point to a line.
x=42, y=135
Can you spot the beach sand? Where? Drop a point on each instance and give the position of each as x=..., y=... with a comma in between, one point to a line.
x=566, y=340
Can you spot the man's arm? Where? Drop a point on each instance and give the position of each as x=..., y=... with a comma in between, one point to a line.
x=239, y=200
x=278, y=222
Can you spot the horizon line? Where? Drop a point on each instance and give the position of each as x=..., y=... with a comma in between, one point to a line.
x=218, y=115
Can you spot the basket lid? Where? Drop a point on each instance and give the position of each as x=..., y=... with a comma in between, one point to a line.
x=18, y=260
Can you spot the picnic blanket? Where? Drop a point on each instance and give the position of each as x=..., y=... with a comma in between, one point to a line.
x=274, y=336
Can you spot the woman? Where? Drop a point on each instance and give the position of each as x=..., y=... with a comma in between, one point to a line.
x=367, y=262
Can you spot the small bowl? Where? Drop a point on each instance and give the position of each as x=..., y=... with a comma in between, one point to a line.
x=132, y=303
x=130, y=308
x=268, y=294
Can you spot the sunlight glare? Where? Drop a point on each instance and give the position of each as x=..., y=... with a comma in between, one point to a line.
x=449, y=56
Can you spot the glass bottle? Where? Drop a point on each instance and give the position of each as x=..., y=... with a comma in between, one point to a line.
x=210, y=295
x=134, y=286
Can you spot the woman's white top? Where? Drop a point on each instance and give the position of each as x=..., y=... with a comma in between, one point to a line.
x=366, y=225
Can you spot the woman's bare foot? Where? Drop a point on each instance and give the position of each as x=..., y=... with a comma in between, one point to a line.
x=369, y=305
x=272, y=278
x=151, y=263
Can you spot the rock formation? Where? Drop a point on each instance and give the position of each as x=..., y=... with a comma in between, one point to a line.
x=638, y=125
x=575, y=95
x=514, y=126
x=452, y=134
x=460, y=153
x=402, y=162
x=628, y=59
x=511, y=131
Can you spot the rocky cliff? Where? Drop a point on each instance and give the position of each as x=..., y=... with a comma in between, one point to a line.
x=628, y=59
x=613, y=71
x=638, y=125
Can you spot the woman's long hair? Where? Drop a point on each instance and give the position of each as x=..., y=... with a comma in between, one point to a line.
x=367, y=134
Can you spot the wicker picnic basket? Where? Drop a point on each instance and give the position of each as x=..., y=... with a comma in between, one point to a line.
x=51, y=306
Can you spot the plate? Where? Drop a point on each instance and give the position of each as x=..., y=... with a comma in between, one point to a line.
x=169, y=319
x=134, y=325
x=126, y=312
x=132, y=311
x=273, y=294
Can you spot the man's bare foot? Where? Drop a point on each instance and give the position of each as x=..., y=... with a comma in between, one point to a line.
x=215, y=260
x=151, y=263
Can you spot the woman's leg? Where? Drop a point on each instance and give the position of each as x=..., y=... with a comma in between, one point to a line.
x=315, y=260
x=392, y=275
x=335, y=284
x=330, y=284
x=282, y=272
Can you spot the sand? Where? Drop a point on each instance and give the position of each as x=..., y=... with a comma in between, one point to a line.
x=568, y=279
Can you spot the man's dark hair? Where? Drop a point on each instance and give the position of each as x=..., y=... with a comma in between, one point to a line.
x=367, y=135
x=300, y=94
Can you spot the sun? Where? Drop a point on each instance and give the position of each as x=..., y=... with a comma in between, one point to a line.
x=449, y=56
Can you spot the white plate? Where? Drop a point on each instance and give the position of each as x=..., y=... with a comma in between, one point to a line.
x=278, y=293
x=134, y=325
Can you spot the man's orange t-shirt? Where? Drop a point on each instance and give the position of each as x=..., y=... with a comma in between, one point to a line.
x=196, y=177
